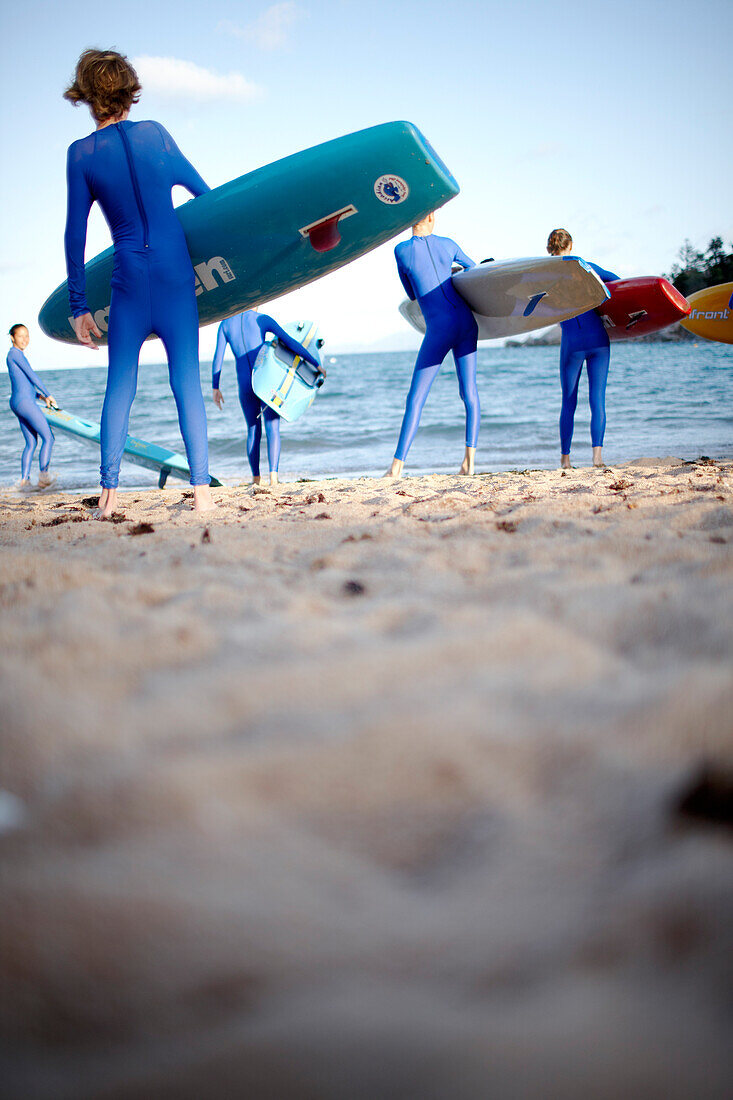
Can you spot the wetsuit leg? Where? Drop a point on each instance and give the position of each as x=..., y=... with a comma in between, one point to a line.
x=272, y=431
x=175, y=320
x=464, y=353
x=34, y=426
x=571, y=364
x=29, y=450
x=433, y=350
x=597, y=362
x=251, y=407
x=129, y=326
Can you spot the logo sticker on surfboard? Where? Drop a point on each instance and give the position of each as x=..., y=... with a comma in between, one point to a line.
x=391, y=189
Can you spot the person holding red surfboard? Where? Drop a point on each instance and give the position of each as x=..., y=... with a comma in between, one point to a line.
x=584, y=340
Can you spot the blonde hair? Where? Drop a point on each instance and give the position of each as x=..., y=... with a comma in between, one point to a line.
x=558, y=241
x=106, y=81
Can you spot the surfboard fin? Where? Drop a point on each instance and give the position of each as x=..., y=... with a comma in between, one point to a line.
x=533, y=302
x=324, y=234
x=634, y=318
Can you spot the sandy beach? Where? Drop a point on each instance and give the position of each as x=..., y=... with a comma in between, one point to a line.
x=361, y=790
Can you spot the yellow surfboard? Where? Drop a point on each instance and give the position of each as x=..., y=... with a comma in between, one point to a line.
x=711, y=313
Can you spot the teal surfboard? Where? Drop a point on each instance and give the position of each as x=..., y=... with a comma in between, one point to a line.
x=284, y=225
x=166, y=463
x=284, y=381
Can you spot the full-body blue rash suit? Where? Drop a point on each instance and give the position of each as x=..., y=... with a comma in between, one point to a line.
x=245, y=333
x=24, y=384
x=130, y=168
x=584, y=339
x=424, y=265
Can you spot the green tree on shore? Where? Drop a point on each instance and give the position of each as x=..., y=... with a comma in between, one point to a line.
x=696, y=270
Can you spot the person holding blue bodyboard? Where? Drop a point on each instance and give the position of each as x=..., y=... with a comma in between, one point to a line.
x=425, y=263
x=246, y=333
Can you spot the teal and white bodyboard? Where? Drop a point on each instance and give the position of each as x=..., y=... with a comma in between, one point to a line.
x=287, y=382
x=165, y=463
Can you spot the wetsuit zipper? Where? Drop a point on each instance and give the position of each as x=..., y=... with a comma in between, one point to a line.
x=250, y=364
x=135, y=185
x=437, y=276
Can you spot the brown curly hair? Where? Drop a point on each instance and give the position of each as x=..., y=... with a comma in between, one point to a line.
x=106, y=81
x=558, y=241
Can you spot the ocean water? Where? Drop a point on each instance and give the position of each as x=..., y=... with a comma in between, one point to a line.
x=662, y=399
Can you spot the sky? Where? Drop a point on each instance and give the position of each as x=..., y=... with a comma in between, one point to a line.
x=611, y=120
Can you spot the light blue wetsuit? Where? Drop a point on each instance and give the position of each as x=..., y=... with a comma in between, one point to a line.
x=245, y=333
x=424, y=265
x=24, y=385
x=130, y=168
x=584, y=339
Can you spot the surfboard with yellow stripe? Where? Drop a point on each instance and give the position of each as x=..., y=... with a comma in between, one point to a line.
x=287, y=382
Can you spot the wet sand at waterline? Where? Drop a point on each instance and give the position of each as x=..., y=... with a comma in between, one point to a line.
x=358, y=789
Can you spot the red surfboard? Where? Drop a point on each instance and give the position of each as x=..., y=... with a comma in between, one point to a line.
x=638, y=307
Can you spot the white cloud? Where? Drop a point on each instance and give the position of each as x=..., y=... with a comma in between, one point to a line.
x=179, y=79
x=269, y=31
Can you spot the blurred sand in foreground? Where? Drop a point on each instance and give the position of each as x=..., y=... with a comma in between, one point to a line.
x=359, y=790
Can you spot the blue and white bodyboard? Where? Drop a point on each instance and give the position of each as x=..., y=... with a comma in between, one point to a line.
x=287, y=382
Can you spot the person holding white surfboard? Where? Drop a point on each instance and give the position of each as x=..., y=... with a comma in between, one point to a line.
x=584, y=340
x=130, y=168
x=425, y=263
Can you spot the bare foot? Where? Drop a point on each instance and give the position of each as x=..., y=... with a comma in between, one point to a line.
x=46, y=479
x=565, y=462
x=202, y=499
x=467, y=466
x=24, y=485
x=256, y=479
x=274, y=478
x=396, y=468
x=107, y=502
x=598, y=457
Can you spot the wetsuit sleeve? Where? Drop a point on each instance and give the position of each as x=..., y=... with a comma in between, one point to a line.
x=607, y=276
x=79, y=203
x=21, y=362
x=221, y=346
x=270, y=325
x=461, y=258
x=404, y=278
x=183, y=171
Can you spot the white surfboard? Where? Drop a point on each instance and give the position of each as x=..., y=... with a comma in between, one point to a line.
x=509, y=297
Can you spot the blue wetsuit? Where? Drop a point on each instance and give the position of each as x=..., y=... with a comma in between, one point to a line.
x=424, y=265
x=245, y=334
x=584, y=339
x=24, y=385
x=130, y=168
